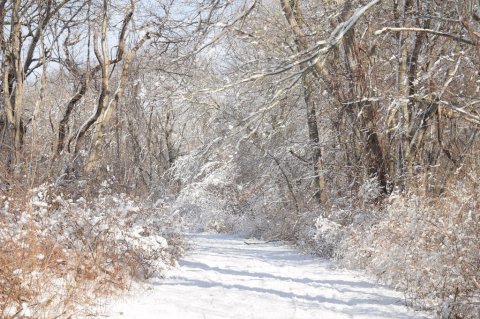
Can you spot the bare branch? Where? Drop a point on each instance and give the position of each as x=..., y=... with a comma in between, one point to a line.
x=443, y=34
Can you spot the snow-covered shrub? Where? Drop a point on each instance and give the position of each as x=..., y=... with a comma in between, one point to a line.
x=320, y=235
x=427, y=247
x=369, y=191
x=59, y=252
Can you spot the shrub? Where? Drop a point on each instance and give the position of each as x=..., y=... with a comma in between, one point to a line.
x=427, y=247
x=58, y=252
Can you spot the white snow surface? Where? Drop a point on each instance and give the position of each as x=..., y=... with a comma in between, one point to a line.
x=223, y=277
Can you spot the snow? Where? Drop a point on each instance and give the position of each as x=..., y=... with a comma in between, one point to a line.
x=224, y=277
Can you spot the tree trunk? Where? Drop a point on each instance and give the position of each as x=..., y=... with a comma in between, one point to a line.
x=108, y=110
x=314, y=138
x=294, y=18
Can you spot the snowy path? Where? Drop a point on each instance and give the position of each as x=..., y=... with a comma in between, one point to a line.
x=224, y=278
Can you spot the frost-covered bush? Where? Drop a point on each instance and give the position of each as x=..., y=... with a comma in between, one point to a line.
x=58, y=253
x=427, y=247
x=369, y=191
x=320, y=235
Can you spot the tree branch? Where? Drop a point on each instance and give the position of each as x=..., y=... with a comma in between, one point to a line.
x=442, y=34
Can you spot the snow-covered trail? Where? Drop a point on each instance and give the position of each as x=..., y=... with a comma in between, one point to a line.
x=223, y=277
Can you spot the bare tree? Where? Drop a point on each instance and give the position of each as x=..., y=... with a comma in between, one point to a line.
x=19, y=45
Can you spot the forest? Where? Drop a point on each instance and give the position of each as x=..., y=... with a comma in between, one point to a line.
x=348, y=128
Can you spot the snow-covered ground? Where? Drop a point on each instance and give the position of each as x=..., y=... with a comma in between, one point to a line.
x=223, y=277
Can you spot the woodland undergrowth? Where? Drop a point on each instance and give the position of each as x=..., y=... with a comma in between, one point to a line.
x=62, y=249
